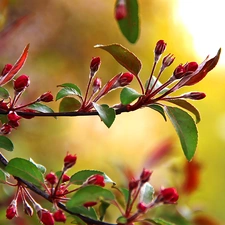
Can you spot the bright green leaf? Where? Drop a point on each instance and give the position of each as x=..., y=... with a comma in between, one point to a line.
x=125, y=193
x=121, y=220
x=69, y=104
x=102, y=209
x=41, y=108
x=67, y=91
x=70, y=85
x=2, y=176
x=128, y=95
x=188, y=106
x=3, y=118
x=146, y=193
x=185, y=128
x=123, y=56
x=129, y=26
x=6, y=143
x=26, y=170
x=158, y=108
x=89, y=193
x=106, y=114
x=4, y=93
x=90, y=212
x=81, y=176
x=39, y=166
x=158, y=221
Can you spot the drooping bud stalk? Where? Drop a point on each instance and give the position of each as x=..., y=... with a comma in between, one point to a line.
x=125, y=79
x=96, y=179
x=11, y=211
x=21, y=83
x=145, y=175
x=6, y=69
x=69, y=161
x=120, y=10
x=97, y=84
x=159, y=49
x=194, y=95
x=51, y=178
x=46, y=97
x=167, y=196
x=59, y=216
x=179, y=72
x=94, y=65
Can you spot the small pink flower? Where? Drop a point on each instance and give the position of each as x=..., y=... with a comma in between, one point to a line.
x=59, y=216
x=69, y=161
x=21, y=83
x=96, y=179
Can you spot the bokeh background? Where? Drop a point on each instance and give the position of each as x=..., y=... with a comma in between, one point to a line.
x=62, y=34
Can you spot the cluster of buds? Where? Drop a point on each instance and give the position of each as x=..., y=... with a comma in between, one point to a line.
x=10, y=105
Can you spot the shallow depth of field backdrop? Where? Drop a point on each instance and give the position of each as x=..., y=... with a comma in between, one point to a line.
x=62, y=34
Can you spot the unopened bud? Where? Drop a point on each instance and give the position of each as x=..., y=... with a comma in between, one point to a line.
x=142, y=208
x=94, y=65
x=11, y=211
x=125, y=79
x=29, y=111
x=6, y=129
x=46, y=97
x=145, y=175
x=69, y=161
x=89, y=204
x=167, y=196
x=13, y=116
x=3, y=106
x=121, y=10
x=59, y=216
x=6, y=69
x=21, y=83
x=168, y=60
x=45, y=217
x=190, y=67
x=159, y=49
x=96, y=179
x=194, y=95
x=27, y=208
x=65, y=178
x=179, y=72
x=133, y=184
x=97, y=84
x=51, y=178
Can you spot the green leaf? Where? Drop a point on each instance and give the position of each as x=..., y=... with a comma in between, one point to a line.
x=41, y=108
x=159, y=109
x=81, y=176
x=106, y=114
x=69, y=104
x=121, y=220
x=157, y=85
x=185, y=128
x=128, y=95
x=70, y=85
x=123, y=56
x=125, y=193
x=26, y=170
x=89, y=193
x=2, y=176
x=102, y=209
x=146, y=194
x=129, y=26
x=39, y=166
x=6, y=143
x=158, y=221
x=188, y=106
x=4, y=93
x=3, y=118
x=68, y=90
x=90, y=212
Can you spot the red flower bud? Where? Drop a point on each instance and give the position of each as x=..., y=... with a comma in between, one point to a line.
x=3, y=106
x=13, y=116
x=21, y=83
x=6, y=129
x=121, y=10
x=141, y=207
x=168, y=60
x=65, y=178
x=6, y=69
x=179, y=72
x=69, y=161
x=145, y=175
x=59, y=216
x=13, y=124
x=159, y=49
x=94, y=65
x=190, y=67
x=167, y=196
x=45, y=217
x=133, y=184
x=89, y=204
x=96, y=179
x=97, y=84
x=29, y=111
x=125, y=79
x=11, y=211
x=51, y=178
x=194, y=95
x=46, y=97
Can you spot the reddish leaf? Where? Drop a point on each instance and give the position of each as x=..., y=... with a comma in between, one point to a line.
x=16, y=68
x=200, y=73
